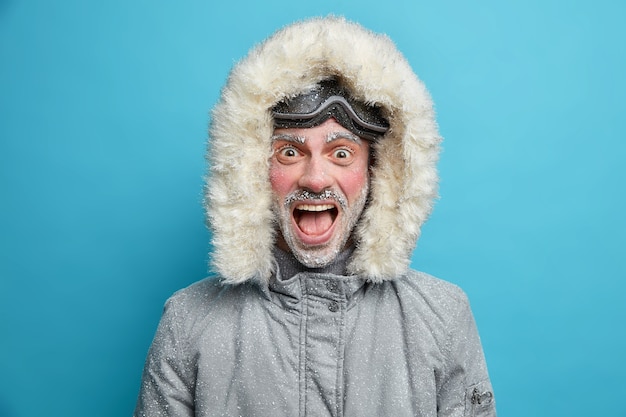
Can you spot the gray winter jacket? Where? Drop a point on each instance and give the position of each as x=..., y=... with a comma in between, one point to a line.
x=317, y=344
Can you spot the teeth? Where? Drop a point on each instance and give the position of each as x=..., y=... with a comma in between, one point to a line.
x=315, y=207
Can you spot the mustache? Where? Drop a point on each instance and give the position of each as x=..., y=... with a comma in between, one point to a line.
x=302, y=195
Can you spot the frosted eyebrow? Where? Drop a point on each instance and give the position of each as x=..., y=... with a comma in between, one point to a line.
x=343, y=135
x=288, y=138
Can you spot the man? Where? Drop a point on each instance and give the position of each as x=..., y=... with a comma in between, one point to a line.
x=322, y=169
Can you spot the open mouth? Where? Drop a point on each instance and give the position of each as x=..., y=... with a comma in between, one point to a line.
x=315, y=221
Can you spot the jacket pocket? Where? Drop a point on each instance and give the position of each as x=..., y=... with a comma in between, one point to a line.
x=479, y=400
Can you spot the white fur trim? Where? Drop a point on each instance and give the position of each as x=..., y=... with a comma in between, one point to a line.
x=292, y=61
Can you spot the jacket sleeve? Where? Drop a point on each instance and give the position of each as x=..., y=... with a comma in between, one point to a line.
x=168, y=376
x=464, y=389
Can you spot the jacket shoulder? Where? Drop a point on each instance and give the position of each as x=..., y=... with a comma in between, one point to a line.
x=204, y=294
x=437, y=292
x=197, y=293
x=427, y=299
x=192, y=308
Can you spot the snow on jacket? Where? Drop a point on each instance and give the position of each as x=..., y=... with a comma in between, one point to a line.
x=317, y=344
x=371, y=339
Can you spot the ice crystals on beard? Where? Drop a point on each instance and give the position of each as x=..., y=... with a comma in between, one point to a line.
x=302, y=195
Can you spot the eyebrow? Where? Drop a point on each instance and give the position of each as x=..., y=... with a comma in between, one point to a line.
x=343, y=135
x=330, y=138
x=288, y=137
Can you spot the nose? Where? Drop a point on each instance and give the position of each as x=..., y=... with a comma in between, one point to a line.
x=316, y=176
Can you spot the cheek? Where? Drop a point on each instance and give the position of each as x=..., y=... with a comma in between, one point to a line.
x=280, y=180
x=355, y=179
x=353, y=182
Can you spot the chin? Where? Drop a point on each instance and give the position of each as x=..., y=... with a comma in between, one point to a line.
x=317, y=257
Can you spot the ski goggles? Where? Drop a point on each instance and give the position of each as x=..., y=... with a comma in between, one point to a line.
x=327, y=100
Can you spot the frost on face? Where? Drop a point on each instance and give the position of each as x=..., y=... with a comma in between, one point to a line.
x=326, y=214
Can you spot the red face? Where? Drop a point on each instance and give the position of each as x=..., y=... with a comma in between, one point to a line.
x=320, y=181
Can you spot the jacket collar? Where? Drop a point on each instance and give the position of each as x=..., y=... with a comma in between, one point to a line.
x=292, y=281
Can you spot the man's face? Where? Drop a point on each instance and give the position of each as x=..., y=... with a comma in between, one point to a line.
x=320, y=182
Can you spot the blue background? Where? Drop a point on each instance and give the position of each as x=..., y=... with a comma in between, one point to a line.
x=103, y=118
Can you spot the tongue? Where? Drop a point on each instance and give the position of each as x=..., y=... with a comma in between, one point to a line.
x=315, y=222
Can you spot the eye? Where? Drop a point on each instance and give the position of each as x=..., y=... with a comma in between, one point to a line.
x=342, y=154
x=288, y=152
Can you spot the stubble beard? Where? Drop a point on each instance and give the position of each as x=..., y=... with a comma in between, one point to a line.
x=319, y=256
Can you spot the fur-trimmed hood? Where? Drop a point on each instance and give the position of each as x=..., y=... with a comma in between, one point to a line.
x=404, y=178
